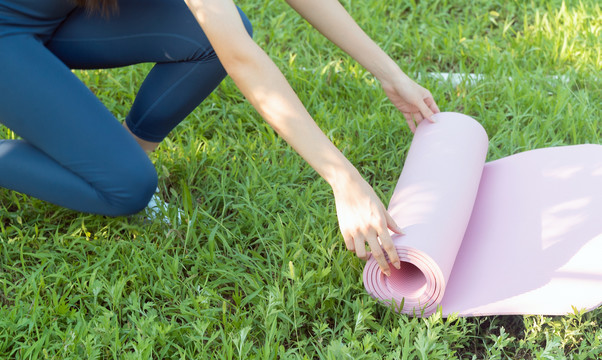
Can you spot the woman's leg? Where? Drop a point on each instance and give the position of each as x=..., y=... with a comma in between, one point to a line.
x=187, y=69
x=74, y=153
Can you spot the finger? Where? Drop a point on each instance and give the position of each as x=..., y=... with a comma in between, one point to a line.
x=430, y=102
x=412, y=126
x=392, y=224
x=426, y=112
x=410, y=122
x=378, y=255
x=417, y=118
x=360, y=247
x=349, y=241
x=389, y=247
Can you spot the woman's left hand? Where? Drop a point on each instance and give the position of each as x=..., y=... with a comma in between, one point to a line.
x=415, y=102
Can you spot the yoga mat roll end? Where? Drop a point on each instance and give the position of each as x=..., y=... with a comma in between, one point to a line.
x=416, y=288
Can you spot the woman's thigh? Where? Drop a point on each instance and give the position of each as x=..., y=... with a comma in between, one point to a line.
x=187, y=69
x=141, y=31
x=97, y=164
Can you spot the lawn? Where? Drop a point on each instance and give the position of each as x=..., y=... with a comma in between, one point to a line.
x=257, y=268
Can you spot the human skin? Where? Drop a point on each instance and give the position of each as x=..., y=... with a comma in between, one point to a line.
x=362, y=217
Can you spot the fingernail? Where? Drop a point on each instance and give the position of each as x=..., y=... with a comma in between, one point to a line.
x=387, y=272
x=397, y=265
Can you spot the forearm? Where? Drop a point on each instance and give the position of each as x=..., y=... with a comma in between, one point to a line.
x=267, y=90
x=362, y=217
x=262, y=83
x=334, y=22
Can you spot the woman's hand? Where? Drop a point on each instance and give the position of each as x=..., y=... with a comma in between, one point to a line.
x=415, y=102
x=330, y=18
x=363, y=219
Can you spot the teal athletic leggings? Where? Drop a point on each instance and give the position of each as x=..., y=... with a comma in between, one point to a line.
x=72, y=151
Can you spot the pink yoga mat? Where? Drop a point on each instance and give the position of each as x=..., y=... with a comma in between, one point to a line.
x=519, y=235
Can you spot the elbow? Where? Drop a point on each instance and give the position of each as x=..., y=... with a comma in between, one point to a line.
x=241, y=54
x=241, y=59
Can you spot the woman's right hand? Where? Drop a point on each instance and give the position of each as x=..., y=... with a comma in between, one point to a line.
x=363, y=220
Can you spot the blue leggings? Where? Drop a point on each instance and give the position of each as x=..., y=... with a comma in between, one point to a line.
x=73, y=152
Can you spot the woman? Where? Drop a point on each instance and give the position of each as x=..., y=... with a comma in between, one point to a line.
x=75, y=154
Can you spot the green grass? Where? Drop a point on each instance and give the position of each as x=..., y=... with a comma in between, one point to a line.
x=258, y=268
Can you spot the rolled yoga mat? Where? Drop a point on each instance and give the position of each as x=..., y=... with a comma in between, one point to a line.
x=519, y=235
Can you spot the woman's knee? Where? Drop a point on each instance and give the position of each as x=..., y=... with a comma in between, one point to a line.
x=142, y=189
x=131, y=189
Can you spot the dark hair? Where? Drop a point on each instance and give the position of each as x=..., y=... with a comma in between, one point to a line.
x=106, y=7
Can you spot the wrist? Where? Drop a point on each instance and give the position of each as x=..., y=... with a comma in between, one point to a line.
x=387, y=71
x=341, y=180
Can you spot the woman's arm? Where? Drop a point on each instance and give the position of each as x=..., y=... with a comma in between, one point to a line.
x=332, y=20
x=362, y=216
